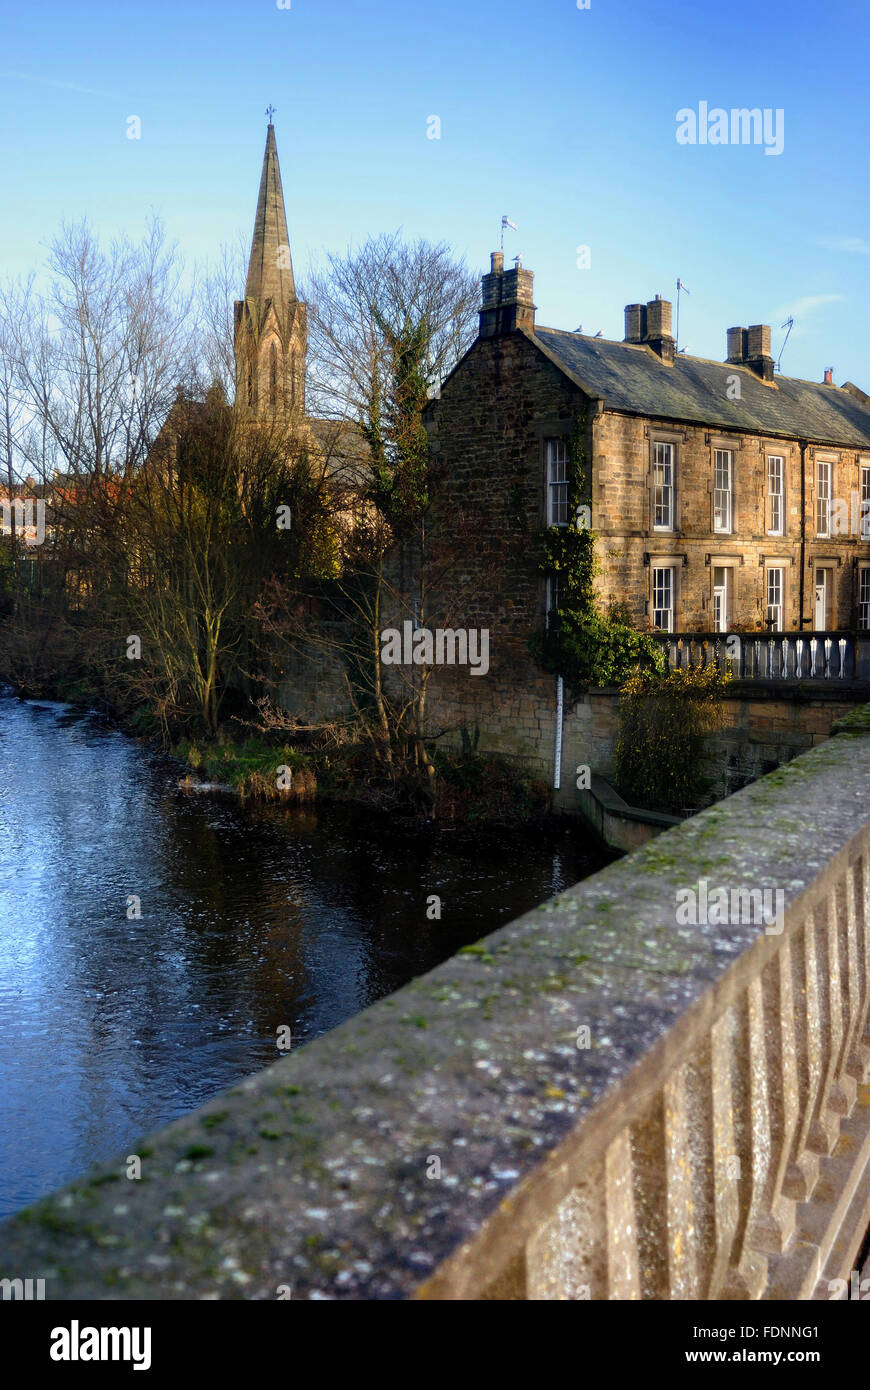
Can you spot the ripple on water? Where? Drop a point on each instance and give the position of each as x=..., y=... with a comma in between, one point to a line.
x=249, y=921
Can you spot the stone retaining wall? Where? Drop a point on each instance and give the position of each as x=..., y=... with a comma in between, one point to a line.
x=767, y=724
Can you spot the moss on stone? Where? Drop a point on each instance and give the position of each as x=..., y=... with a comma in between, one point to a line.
x=857, y=721
x=211, y=1121
x=198, y=1151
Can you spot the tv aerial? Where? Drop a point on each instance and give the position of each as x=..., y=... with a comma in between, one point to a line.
x=789, y=324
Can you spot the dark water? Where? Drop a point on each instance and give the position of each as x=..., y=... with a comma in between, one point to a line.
x=112, y=1026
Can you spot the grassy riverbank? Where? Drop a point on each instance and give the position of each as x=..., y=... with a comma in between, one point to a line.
x=470, y=788
x=254, y=769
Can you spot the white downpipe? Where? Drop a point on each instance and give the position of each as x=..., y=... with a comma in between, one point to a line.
x=557, y=752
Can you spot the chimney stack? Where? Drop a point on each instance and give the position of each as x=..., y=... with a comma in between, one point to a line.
x=507, y=303
x=651, y=324
x=750, y=347
x=758, y=355
x=658, y=328
x=829, y=376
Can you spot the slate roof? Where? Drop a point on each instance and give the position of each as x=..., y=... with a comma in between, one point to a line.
x=633, y=379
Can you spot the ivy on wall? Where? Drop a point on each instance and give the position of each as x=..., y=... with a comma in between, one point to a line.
x=579, y=642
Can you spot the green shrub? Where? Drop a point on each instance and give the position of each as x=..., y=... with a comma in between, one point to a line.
x=251, y=767
x=589, y=649
x=663, y=719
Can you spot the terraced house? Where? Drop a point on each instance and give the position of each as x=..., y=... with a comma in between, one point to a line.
x=723, y=495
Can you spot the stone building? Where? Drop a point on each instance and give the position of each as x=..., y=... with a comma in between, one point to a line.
x=270, y=348
x=723, y=495
x=271, y=327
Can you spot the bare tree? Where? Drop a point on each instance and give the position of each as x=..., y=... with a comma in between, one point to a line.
x=216, y=292
x=389, y=322
x=360, y=298
x=99, y=356
x=220, y=506
x=12, y=425
x=92, y=363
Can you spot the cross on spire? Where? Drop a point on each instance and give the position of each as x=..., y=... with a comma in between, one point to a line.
x=270, y=111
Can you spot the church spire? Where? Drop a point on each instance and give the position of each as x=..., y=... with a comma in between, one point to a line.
x=270, y=269
x=271, y=323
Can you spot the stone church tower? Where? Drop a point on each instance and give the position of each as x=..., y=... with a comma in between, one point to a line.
x=271, y=332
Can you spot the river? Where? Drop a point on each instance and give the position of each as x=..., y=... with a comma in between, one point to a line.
x=112, y=1024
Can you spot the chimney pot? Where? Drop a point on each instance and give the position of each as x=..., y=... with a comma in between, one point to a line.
x=635, y=323
x=496, y=262
x=736, y=345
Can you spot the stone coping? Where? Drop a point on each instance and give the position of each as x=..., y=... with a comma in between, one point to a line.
x=616, y=805
x=848, y=691
x=318, y=1174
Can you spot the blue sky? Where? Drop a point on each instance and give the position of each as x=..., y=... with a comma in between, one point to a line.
x=563, y=118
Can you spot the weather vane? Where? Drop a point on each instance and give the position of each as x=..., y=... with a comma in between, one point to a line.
x=270, y=111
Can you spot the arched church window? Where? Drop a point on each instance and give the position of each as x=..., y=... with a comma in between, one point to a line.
x=252, y=385
x=273, y=376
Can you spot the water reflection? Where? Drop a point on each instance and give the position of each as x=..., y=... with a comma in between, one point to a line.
x=111, y=1024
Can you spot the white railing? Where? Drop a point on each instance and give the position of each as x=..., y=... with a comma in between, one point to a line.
x=765, y=655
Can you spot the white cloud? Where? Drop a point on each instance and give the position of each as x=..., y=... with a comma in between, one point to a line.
x=846, y=243
x=799, y=308
x=53, y=82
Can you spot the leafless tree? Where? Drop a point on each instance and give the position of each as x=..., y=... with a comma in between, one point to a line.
x=99, y=356
x=217, y=289
x=357, y=298
x=389, y=321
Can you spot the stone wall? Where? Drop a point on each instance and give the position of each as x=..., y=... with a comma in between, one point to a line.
x=767, y=727
x=313, y=686
x=767, y=724
x=621, y=515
